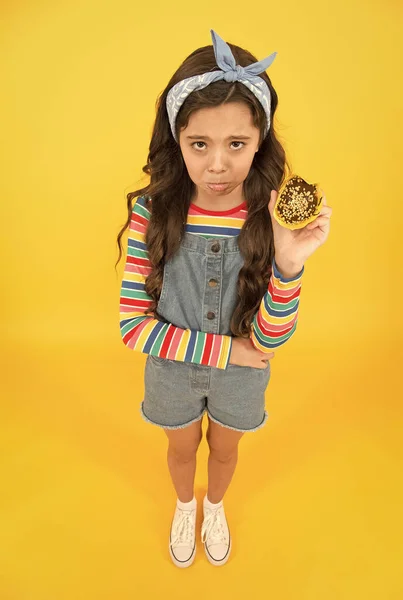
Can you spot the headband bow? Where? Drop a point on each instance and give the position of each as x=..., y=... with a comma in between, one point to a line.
x=229, y=72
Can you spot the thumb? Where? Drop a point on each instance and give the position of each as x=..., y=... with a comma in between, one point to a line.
x=273, y=198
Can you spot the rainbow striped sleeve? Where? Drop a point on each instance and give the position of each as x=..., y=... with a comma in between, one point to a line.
x=151, y=336
x=276, y=320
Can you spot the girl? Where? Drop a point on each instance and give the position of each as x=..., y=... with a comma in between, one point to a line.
x=212, y=282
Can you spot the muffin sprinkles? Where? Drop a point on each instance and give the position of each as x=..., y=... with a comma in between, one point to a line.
x=297, y=202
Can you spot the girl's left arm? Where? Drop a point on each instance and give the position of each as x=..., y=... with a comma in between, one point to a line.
x=276, y=320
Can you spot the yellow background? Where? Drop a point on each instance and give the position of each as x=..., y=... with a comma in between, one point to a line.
x=86, y=500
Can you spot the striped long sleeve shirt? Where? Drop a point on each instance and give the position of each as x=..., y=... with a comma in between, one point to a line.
x=273, y=324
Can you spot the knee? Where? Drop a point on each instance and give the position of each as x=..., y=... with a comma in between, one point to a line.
x=184, y=452
x=223, y=454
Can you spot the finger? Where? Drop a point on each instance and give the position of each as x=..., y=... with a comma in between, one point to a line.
x=326, y=210
x=325, y=213
x=324, y=200
x=321, y=229
x=318, y=222
x=321, y=216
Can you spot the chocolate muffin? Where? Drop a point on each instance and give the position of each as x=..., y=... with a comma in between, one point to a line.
x=298, y=203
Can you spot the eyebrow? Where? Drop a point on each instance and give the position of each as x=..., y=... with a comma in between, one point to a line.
x=230, y=137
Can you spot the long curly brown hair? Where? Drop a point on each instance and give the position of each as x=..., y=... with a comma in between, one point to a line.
x=171, y=188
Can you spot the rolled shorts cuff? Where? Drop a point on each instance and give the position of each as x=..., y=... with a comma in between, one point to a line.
x=265, y=417
x=182, y=426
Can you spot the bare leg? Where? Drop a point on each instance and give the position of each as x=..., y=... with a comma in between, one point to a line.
x=181, y=455
x=222, y=461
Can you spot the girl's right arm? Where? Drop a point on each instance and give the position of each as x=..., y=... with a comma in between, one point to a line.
x=151, y=336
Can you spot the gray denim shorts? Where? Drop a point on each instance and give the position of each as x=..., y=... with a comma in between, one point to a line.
x=178, y=394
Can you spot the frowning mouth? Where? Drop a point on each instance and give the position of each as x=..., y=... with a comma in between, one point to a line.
x=218, y=186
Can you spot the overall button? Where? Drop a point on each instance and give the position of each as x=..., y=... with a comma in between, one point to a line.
x=210, y=315
x=215, y=247
x=212, y=282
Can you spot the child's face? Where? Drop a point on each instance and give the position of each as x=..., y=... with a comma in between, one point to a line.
x=212, y=156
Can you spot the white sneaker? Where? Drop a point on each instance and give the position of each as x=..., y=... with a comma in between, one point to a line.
x=182, y=539
x=215, y=535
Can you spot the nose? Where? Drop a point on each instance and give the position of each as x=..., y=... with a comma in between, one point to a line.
x=217, y=162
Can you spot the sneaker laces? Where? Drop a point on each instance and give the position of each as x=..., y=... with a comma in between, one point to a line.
x=183, y=529
x=213, y=528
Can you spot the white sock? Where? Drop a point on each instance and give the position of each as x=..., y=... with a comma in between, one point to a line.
x=187, y=505
x=209, y=504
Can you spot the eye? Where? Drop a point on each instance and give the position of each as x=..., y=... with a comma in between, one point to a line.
x=234, y=142
x=239, y=143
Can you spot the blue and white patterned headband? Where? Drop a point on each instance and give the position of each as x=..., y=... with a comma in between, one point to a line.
x=230, y=72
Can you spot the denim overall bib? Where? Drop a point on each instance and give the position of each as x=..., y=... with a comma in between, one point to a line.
x=199, y=292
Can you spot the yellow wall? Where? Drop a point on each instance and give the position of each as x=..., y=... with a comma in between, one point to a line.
x=316, y=491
